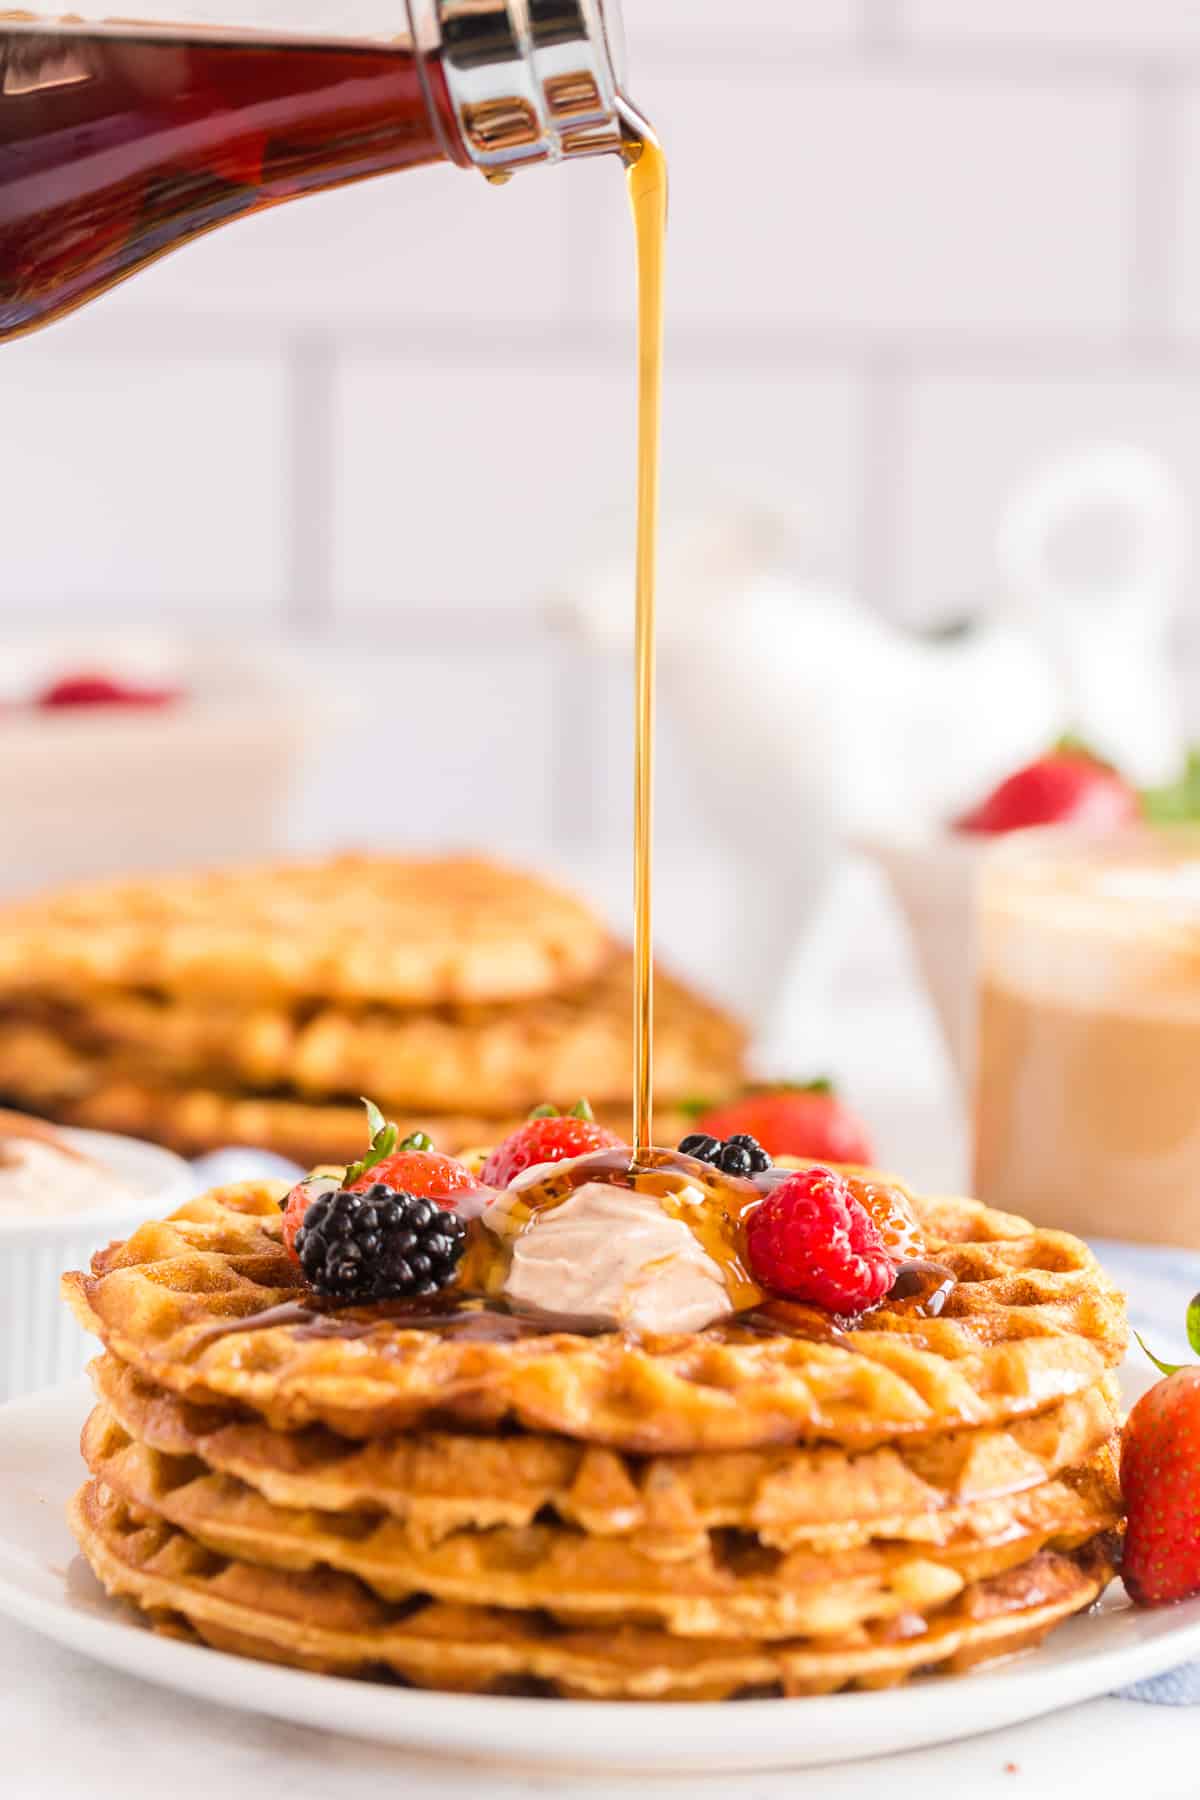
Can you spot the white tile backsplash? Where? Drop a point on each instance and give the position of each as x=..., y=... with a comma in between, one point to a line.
x=139, y=486
x=435, y=751
x=1184, y=223
x=687, y=28
x=497, y=485
x=974, y=439
x=461, y=485
x=916, y=246
x=884, y=199
x=1108, y=24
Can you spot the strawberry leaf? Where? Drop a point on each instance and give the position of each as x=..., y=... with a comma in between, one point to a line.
x=544, y=1112
x=821, y=1084
x=1071, y=744
x=1193, y=1323
x=1164, y=1368
x=581, y=1110
x=1178, y=803
x=416, y=1140
x=383, y=1142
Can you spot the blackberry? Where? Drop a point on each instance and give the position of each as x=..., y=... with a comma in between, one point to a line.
x=743, y=1155
x=701, y=1146
x=380, y=1244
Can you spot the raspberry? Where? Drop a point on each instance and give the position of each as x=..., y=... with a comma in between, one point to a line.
x=812, y=1240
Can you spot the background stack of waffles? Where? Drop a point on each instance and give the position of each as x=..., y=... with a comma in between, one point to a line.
x=505, y=1508
x=254, y=1006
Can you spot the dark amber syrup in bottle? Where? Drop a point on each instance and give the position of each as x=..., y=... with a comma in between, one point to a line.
x=116, y=146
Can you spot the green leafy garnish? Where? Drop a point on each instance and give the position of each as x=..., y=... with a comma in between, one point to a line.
x=416, y=1140
x=1070, y=744
x=1164, y=1368
x=383, y=1142
x=1193, y=1323
x=1178, y=803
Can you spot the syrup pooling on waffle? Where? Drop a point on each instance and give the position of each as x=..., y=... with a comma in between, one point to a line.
x=1031, y=1320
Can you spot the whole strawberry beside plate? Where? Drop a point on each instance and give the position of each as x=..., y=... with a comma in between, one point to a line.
x=1160, y=1479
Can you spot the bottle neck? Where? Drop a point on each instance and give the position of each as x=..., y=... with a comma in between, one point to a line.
x=522, y=82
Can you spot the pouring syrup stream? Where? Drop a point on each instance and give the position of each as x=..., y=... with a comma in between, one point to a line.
x=647, y=178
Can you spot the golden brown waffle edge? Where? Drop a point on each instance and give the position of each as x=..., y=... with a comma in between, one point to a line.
x=402, y=930
x=1032, y=1319
x=926, y=1491
x=730, y=1585
x=332, y=1623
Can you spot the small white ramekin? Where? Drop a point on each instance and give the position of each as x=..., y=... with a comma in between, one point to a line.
x=40, y=1343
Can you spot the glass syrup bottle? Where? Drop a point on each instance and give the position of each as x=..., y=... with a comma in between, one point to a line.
x=121, y=140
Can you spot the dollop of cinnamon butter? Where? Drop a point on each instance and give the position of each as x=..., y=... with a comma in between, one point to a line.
x=610, y=1253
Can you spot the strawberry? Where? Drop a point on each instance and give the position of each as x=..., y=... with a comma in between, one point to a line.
x=547, y=1136
x=812, y=1240
x=297, y=1203
x=1160, y=1478
x=413, y=1167
x=806, y=1120
x=1067, y=787
x=103, y=690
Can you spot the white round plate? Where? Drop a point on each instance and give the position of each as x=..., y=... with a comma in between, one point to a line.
x=44, y=1584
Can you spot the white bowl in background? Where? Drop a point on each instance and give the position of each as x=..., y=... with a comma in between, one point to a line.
x=40, y=1343
x=102, y=790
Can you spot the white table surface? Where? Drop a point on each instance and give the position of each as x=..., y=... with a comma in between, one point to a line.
x=70, y=1729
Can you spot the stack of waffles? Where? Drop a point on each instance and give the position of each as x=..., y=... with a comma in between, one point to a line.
x=463, y=1498
x=254, y=1006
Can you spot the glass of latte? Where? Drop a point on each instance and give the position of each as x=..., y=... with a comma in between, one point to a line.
x=1087, y=1094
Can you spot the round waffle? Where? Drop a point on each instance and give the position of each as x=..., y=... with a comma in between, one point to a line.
x=193, y=1120
x=731, y=1585
x=489, y=1060
x=1031, y=1320
x=932, y=1491
x=404, y=931
x=44, y=1072
x=327, y=1621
